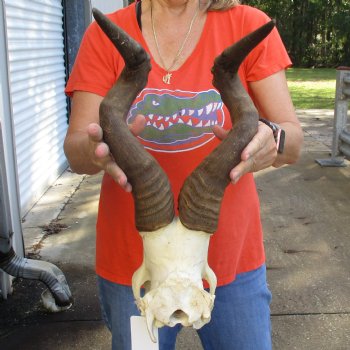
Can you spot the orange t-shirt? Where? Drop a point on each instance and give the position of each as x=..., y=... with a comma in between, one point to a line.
x=178, y=134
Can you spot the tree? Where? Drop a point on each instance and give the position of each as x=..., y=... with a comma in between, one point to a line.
x=315, y=32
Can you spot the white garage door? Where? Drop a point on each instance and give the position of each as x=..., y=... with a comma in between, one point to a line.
x=37, y=80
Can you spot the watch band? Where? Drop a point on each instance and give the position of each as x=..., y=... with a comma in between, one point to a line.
x=278, y=134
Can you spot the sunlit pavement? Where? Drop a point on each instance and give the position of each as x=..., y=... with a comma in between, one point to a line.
x=306, y=216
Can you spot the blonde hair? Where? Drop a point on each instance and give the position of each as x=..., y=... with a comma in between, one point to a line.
x=220, y=5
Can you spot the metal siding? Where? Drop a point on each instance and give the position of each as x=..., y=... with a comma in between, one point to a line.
x=37, y=81
x=10, y=220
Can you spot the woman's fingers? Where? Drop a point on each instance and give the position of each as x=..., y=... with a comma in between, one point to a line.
x=259, y=154
x=102, y=150
x=118, y=175
x=102, y=157
x=220, y=132
x=138, y=125
x=95, y=132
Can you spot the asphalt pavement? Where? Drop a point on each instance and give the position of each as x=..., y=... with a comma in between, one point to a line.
x=306, y=217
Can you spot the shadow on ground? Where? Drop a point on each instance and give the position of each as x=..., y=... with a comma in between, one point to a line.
x=305, y=212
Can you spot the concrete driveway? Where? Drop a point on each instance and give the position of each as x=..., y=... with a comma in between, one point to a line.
x=306, y=218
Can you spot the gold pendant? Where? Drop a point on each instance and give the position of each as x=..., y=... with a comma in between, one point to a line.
x=166, y=78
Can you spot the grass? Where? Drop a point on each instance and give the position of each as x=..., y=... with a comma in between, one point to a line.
x=312, y=88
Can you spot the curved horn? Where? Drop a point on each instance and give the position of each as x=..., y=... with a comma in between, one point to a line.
x=201, y=195
x=154, y=203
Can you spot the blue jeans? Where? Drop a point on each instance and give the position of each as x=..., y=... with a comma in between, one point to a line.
x=240, y=318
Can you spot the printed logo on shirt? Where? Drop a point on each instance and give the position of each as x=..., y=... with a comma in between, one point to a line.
x=177, y=121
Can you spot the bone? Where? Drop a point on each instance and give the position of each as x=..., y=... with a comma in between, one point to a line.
x=174, y=264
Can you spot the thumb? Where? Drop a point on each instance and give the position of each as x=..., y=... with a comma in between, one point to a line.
x=220, y=132
x=138, y=125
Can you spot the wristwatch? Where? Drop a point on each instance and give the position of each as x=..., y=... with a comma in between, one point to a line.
x=278, y=133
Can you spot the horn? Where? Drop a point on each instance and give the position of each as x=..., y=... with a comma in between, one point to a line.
x=201, y=195
x=153, y=198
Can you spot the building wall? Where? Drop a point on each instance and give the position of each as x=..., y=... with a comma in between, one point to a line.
x=34, y=113
x=37, y=79
x=10, y=220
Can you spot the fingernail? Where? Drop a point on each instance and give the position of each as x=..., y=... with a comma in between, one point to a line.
x=245, y=156
x=128, y=188
x=234, y=178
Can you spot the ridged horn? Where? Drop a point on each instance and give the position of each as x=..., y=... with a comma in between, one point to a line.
x=153, y=198
x=201, y=195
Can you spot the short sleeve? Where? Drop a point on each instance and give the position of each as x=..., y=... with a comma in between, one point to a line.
x=270, y=56
x=96, y=65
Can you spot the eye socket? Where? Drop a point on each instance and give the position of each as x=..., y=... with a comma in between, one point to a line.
x=155, y=103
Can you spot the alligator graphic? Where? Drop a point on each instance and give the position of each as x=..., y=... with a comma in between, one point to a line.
x=179, y=119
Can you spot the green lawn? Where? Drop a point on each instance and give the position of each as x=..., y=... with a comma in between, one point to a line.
x=312, y=88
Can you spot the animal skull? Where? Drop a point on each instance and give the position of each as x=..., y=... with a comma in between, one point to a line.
x=174, y=264
x=176, y=249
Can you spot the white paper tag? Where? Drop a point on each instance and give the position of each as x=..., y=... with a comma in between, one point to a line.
x=140, y=339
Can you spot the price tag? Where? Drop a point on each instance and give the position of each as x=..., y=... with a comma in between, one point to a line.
x=140, y=339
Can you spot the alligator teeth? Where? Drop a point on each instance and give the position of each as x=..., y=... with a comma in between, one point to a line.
x=183, y=111
x=162, y=123
x=209, y=108
x=190, y=112
x=200, y=112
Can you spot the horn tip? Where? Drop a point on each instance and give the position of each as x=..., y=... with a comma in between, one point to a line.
x=96, y=13
x=272, y=23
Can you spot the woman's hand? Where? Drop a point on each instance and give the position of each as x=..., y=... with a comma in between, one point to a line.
x=100, y=154
x=273, y=102
x=84, y=147
x=259, y=154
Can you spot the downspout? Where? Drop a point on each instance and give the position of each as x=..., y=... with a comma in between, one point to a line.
x=58, y=296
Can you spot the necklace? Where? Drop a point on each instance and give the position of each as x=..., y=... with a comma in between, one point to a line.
x=168, y=75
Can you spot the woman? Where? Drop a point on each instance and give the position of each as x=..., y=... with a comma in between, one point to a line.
x=183, y=37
